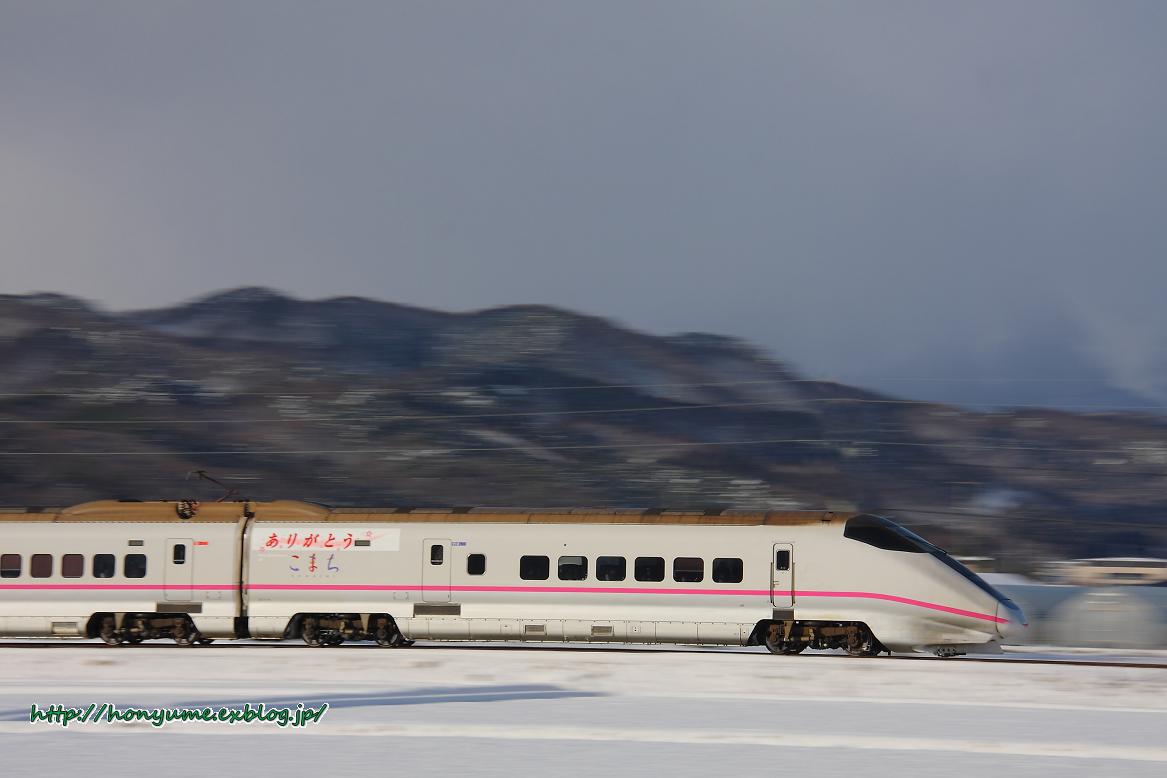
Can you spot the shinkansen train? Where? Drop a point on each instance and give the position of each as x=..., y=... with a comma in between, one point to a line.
x=126, y=572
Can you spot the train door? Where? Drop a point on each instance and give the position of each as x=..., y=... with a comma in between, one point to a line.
x=435, y=570
x=179, y=575
x=782, y=575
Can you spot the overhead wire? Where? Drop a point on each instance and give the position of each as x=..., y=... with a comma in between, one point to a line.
x=407, y=390
x=551, y=447
x=675, y=407
x=89, y=392
x=405, y=417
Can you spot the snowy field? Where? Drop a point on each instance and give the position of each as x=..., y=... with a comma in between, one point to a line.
x=461, y=710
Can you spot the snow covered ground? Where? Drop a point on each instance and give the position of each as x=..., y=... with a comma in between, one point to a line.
x=468, y=710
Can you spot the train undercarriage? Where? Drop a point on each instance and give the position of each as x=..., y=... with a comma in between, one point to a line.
x=332, y=629
x=794, y=637
x=315, y=629
x=118, y=629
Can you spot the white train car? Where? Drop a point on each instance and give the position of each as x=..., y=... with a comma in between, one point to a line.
x=789, y=580
x=124, y=571
x=292, y=569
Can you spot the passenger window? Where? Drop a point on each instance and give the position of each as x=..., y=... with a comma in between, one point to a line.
x=534, y=568
x=41, y=566
x=476, y=564
x=135, y=566
x=104, y=565
x=688, y=569
x=611, y=568
x=573, y=568
x=649, y=568
x=179, y=554
x=9, y=565
x=782, y=559
x=72, y=566
x=727, y=570
x=437, y=554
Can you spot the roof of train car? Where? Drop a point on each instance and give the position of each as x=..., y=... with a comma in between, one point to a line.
x=294, y=510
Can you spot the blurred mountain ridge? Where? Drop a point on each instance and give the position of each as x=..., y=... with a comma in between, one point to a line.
x=350, y=400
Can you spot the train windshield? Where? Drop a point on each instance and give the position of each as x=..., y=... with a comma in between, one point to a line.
x=881, y=533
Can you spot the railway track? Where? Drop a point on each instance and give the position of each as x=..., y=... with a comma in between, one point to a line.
x=236, y=646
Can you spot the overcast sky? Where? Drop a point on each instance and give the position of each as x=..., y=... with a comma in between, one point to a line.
x=871, y=190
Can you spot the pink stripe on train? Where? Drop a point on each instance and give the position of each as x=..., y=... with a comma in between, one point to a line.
x=120, y=587
x=632, y=590
x=908, y=601
x=522, y=589
x=509, y=589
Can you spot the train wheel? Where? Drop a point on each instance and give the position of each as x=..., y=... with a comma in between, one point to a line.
x=775, y=645
x=310, y=632
x=109, y=634
x=204, y=641
x=185, y=633
x=864, y=644
x=388, y=636
x=862, y=651
x=384, y=633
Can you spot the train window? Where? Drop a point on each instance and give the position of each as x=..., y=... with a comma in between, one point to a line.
x=649, y=568
x=135, y=566
x=104, y=565
x=534, y=568
x=881, y=533
x=611, y=568
x=727, y=570
x=9, y=565
x=41, y=566
x=476, y=564
x=437, y=554
x=573, y=568
x=782, y=559
x=688, y=569
x=179, y=554
x=72, y=565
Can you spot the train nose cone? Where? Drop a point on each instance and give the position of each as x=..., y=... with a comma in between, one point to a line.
x=1011, y=622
